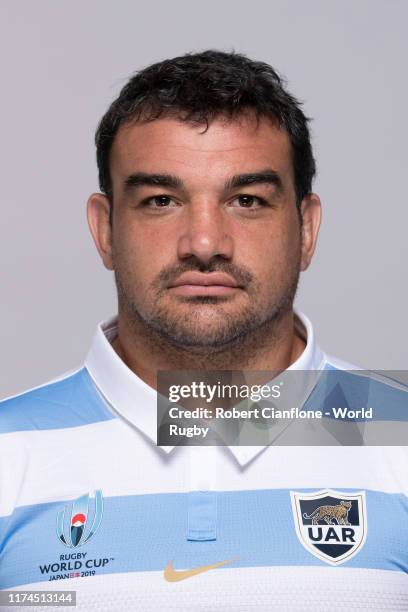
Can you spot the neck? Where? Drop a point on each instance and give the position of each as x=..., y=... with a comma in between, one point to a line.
x=274, y=346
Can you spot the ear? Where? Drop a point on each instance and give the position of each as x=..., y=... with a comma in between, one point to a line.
x=98, y=209
x=311, y=212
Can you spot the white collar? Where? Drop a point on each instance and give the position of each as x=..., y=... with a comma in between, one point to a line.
x=135, y=401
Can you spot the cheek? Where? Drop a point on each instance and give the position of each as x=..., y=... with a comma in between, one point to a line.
x=272, y=251
x=138, y=255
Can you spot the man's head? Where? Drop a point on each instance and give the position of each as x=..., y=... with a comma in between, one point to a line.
x=205, y=166
x=199, y=87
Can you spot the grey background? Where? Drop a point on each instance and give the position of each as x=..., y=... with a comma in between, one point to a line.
x=61, y=65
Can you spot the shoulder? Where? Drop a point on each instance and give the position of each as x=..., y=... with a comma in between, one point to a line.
x=386, y=390
x=336, y=363
x=67, y=401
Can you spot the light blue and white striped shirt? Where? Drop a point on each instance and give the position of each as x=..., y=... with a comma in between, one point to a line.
x=89, y=502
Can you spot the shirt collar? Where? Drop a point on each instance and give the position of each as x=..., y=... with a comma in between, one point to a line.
x=135, y=401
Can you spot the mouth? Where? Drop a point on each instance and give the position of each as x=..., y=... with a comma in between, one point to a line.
x=208, y=284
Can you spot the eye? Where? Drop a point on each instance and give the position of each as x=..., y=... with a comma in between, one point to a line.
x=250, y=202
x=159, y=201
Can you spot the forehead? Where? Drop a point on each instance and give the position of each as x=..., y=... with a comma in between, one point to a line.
x=227, y=147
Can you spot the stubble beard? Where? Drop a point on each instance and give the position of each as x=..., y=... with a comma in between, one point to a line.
x=197, y=340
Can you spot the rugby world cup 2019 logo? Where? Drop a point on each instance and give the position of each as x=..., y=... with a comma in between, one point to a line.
x=74, y=532
x=330, y=524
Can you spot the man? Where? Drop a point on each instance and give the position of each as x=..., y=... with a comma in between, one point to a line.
x=207, y=217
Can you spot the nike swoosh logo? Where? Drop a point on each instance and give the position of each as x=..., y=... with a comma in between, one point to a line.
x=172, y=575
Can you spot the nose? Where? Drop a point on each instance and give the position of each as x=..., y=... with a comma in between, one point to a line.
x=206, y=232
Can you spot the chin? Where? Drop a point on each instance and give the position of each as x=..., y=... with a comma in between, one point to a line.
x=203, y=336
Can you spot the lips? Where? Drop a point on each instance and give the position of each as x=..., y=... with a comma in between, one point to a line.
x=205, y=280
x=211, y=284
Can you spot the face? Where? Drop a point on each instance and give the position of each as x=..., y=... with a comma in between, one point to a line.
x=206, y=242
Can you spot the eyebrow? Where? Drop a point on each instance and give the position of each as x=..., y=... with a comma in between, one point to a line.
x=268, y=177
x=140, y=179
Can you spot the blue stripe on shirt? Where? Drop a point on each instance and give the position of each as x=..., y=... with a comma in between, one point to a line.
x=70, y=402
x=144, y=532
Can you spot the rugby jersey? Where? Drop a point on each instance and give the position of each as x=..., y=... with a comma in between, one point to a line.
x=90, y=503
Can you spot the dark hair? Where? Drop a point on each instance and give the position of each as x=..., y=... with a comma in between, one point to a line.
x=198, y=87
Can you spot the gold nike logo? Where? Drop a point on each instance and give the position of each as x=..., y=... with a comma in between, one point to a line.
x=172, y=575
